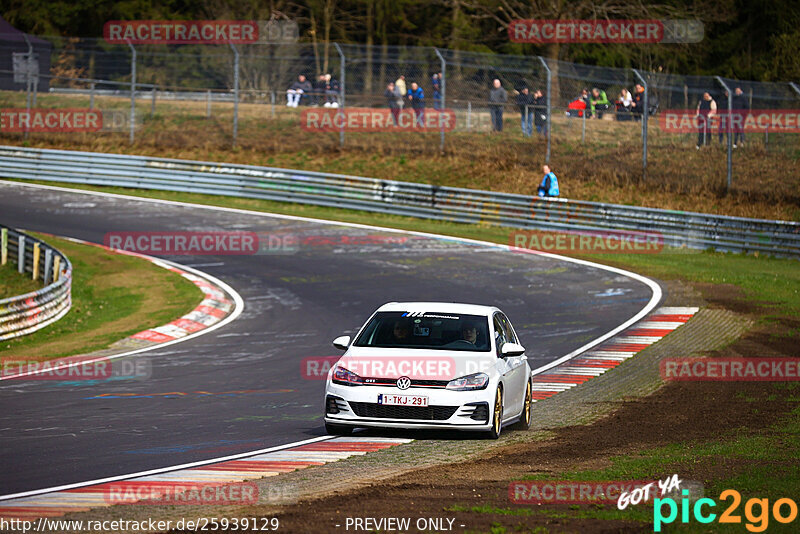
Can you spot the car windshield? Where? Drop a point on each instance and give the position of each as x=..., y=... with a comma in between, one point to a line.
x=428, y=330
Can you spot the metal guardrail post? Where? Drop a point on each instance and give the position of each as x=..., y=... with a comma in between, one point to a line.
x=443, y=81
x=645, y=116
x=547, y=127
x=728, y=128
x=48, y=265
x=342, y=93
x=133, y=93
x=21, y=254
x=235, y=92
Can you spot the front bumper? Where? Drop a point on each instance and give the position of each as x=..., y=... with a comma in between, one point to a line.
x=460, y=410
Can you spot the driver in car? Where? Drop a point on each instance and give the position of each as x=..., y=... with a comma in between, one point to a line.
x=469, y=332
x=401, y=331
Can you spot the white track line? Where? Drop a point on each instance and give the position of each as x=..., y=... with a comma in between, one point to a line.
x=237, y=310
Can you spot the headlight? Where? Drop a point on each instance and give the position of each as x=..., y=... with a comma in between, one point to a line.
x=345, y=377
x=469, y=382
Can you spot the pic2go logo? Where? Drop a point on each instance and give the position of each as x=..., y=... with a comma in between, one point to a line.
x=758, y=521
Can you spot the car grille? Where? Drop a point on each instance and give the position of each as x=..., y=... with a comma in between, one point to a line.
x=380, y=411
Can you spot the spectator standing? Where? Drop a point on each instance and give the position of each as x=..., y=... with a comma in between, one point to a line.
x=297, y=90
x=394, y=100
x=706, y=110
x=599, y=102
x=400, y=87
x=549, y=185
x=436, y=82
x=740, y=110
x=497, y=98
x=526, y=111
x=539, y=111
x=416, y=98
x=637, y=107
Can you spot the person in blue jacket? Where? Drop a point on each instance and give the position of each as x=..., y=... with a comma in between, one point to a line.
x=549, y=185
x=417, y=99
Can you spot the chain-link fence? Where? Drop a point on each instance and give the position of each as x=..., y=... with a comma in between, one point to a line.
x=291, y=96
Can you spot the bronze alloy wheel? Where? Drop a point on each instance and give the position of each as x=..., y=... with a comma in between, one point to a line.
x=524, y=422
x=497, y=422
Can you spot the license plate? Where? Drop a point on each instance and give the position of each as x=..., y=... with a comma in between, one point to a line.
x=402, y=400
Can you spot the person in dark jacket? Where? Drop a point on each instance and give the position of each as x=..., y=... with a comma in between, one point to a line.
x=416, y=97
x=637, y=107
x=497, y=98
x=297, y=90
x=526, y=111
x=394, y=101
x=331, y=92
x=706, y=111
x=318, y=95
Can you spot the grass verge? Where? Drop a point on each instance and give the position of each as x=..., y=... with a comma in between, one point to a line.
x=112, y=297
x=13, y=283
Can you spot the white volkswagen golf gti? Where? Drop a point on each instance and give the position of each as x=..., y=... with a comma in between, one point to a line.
x=430, y=365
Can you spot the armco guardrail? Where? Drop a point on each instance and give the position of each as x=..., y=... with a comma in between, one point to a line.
x=693, y=230
x=27, y=313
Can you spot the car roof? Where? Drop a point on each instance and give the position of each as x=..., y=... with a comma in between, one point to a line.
x=442, y=307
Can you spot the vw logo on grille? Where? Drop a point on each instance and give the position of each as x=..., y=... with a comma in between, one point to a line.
x=403, y=382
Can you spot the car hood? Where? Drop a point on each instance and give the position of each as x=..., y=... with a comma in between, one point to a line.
x=370, y=362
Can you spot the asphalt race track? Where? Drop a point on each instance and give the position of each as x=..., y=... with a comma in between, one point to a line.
x=240, y=388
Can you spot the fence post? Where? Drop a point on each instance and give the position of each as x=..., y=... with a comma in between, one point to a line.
x=645, y=115
x=133, y=92
x=208, y=104
x=469, y=115
x=548, y=130
x=728, y=128
x=21, y=254
x=341, y=90
x=235, y=92
x=91, y=95
x=3, y=246
x=272, y=103
x=583, y=126
x=153, y=102
x=444, y=95
x=29, y=61
x=795, y=87
x=37, y=251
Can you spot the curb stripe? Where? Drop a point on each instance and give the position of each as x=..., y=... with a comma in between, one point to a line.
x=212, y=475
x=611, y=353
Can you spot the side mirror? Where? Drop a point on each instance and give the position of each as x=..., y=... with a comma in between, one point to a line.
x=341, y=342
x=512, y=349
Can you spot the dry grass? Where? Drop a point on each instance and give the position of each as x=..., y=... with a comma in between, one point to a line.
x=606, y=168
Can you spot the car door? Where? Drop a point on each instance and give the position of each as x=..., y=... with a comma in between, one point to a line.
x=517, y=376
x=510, y=369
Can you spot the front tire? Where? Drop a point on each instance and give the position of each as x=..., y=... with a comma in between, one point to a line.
x=524, y=422
x=338, y=430
x=497, y=415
